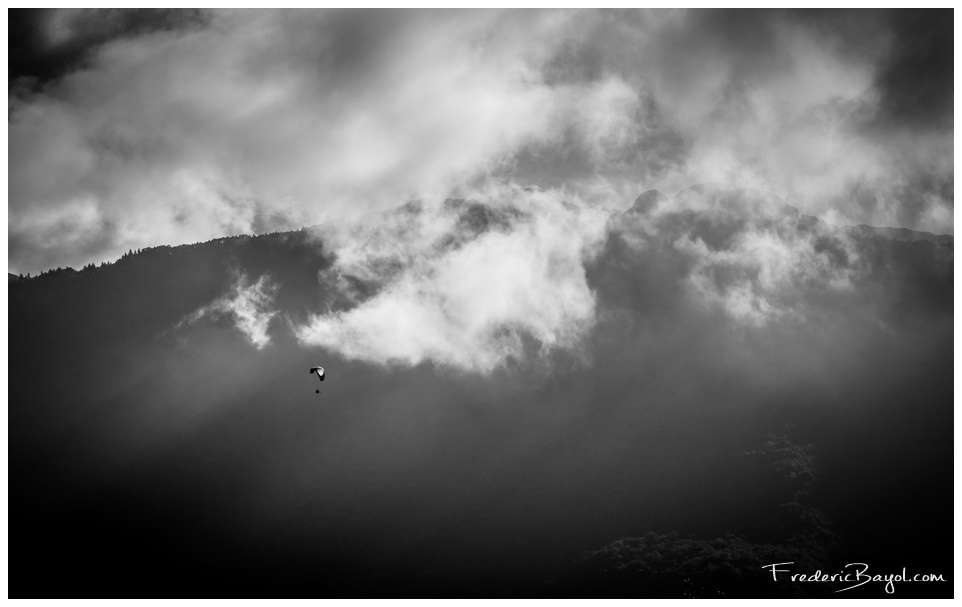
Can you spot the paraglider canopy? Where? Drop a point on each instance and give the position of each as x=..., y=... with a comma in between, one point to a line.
x=319, y=371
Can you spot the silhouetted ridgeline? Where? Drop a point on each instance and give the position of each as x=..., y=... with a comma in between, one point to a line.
x=144, y=291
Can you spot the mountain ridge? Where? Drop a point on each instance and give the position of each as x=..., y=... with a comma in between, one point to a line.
x=477, y=216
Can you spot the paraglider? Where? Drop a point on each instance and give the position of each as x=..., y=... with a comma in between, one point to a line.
x=320, y=375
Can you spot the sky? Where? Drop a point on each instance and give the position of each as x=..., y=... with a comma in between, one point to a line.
x=137, y=128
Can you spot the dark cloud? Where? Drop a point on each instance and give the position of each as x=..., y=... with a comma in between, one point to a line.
x=748, y=39
x=811, y=104
x=916, y=78
x=911, y=50
x=47, y=43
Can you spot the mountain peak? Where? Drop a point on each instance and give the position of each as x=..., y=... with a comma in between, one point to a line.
x=647, y=201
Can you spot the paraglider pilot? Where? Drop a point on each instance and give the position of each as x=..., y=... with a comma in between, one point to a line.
x=320, y=375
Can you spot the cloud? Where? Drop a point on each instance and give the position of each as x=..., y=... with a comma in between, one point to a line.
x=463, y=283
x=47, y=43
x=181, y=136
x=178, y=127
x=247, y=305
x=762, y=276
x=783, y=101
x=512, y=272
x=745, y=252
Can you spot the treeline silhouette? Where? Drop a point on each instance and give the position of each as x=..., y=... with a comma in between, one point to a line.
x=145, y=289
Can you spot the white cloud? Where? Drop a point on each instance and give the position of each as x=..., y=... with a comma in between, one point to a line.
x=763, y=275
x=182, y=136
x=465, y=294
x=265, y=120
x=248, y=306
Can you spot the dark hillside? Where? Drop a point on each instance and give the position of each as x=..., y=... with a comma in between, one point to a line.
x=156, y=449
